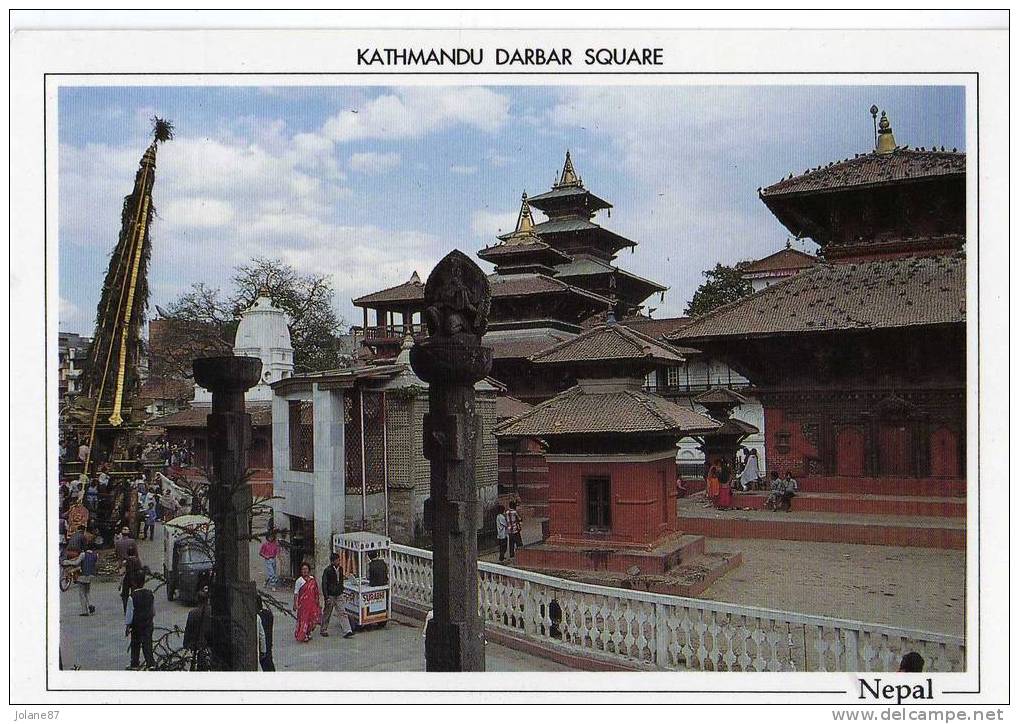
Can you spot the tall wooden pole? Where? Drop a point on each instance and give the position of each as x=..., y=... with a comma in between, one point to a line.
x=232, y=593
x=451, y=360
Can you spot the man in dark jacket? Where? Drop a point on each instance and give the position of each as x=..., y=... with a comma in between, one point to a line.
x=332, y=592
x=138, y=620
x=196, y=633
x=378, y=571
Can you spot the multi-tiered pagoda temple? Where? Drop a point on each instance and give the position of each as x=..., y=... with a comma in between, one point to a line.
x=860, y=361
x=552, y=279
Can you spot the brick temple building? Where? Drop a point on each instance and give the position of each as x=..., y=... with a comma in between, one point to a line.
x=860, y=361
x=611, y=450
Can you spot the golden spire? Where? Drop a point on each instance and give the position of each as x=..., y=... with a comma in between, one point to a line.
x=569, y=175
x=525, y=222
x=885, y=139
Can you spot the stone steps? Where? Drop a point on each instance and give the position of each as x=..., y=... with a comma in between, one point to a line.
x=924, y=532
x=905, y=505
x=926, y=487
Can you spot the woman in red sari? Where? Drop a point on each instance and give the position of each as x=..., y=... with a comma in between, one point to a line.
x=306, y=606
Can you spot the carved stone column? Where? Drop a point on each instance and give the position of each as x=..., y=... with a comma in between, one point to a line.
x=232, y=593
x=451, y=360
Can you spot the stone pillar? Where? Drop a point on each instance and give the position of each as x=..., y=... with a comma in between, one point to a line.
x=451, y=360
x=233, y=595
x=330, y=474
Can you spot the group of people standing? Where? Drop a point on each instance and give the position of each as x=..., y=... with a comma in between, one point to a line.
x=307, y=608
x=720, y=484
x=508, y=530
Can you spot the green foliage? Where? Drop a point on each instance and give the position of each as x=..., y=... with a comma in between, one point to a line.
x=723, y=285
x=306, y=299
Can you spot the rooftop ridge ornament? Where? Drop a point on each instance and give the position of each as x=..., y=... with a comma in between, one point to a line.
x=885, y=139
x=569, y=175
x=525, y=222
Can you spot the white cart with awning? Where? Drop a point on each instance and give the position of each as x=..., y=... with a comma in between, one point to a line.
x=367, y=605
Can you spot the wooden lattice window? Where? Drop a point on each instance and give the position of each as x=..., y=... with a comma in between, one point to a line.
x=302, y=435
x=598, y=491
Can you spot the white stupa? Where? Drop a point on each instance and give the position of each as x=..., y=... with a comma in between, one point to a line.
x=263, y=333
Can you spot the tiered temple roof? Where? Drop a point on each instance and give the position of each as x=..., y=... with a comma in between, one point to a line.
x=609, y=344
x=582, y=410
x=784, y=260
x=586, y=249
x=609, y=360
x=892, y=201
x=870, y=295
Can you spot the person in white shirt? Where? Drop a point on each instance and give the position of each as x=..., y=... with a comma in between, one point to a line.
x=500, y=532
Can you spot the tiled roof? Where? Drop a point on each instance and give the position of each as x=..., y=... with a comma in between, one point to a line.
x=587, y=266
x=514, y=285
x=520, y=346
x=656, y=328
x=785, y=259
x=719, y=396
x=607, y=342
x=261, y=415
x=877, y=294
x=498, y=252
x=872, y=168
x=407, y=292
x=629, y=411
x=519, y=285
x=166, y=388
x=562, y=192
x=507, y=407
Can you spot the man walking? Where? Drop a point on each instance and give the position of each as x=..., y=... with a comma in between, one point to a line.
x=85, y=561
x=332, y=591
x=500, y=532
x=138, y=622
x=269, y=551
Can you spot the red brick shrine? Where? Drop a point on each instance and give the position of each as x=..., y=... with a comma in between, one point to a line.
x=611, y=451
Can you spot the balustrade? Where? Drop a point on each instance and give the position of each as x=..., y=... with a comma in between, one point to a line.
x=656, y=631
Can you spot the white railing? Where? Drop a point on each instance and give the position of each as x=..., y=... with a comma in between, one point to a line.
x=655, y=631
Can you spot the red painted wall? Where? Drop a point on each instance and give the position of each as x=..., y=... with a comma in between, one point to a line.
x=643, y=508
x=785, y=453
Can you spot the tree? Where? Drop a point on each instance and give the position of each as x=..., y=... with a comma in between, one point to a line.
x=205, y=322
x=724, y=284
x=307, y=300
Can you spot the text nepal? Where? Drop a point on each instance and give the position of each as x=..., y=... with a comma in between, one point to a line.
x=510, y=57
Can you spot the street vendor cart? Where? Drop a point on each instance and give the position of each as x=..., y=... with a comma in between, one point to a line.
x=366, y=560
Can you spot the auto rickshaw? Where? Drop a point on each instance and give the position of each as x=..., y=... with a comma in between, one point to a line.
x=188, y=546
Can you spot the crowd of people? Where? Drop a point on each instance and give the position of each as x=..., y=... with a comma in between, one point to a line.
x=722, y=483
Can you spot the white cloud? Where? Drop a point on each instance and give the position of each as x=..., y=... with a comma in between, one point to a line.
x=414, y=112
x=198, y=212
x=463, y=170
x=369, y=162
x=497, y=159
x=487, y=224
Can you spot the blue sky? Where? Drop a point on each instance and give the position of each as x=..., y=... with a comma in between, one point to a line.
x=369, y=184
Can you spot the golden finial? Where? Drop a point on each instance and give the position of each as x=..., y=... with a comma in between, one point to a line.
x=885, y=138
x=525, y=222
x=569, y=175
